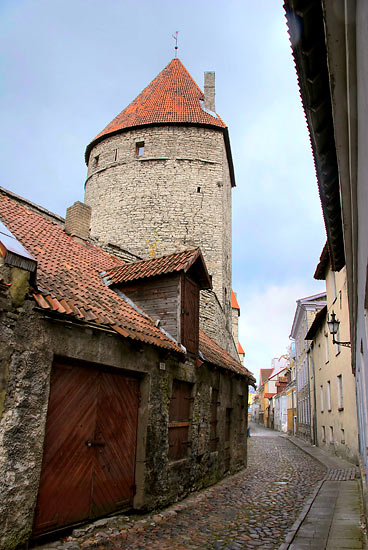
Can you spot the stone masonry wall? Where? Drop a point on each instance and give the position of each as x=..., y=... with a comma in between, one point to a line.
x=214, y=322
x=235, y=325
x=30, y=341
x=25, y=362
x=176, y=195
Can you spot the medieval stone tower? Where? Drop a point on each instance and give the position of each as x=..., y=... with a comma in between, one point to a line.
x=159, y=180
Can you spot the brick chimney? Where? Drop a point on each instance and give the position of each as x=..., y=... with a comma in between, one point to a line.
x=209, y=90
x=78, y=220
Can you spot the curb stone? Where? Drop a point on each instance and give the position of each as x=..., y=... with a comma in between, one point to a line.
x=297, y=523
x=331, y=474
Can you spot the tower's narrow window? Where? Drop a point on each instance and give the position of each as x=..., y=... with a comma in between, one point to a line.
x=95, y=161
x=115, y=155
x=198, y=189
x=139, y=148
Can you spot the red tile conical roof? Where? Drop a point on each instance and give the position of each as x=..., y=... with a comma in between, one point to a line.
x=171, y=98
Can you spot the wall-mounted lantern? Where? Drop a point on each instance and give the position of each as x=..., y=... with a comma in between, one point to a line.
x=333, y=327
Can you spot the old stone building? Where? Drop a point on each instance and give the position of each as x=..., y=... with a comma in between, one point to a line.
x=159, y=180
x=120, y=385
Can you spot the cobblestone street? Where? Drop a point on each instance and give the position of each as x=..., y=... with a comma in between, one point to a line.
x=252, y=509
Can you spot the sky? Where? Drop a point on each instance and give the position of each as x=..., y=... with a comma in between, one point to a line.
x=68, y=67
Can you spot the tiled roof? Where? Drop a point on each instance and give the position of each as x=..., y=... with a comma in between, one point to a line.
x=218, y=356
x=69, y=282
x=240, y=349
x=68, y=276
x=234, y=301
x=264, y=375
x=171, y=263
x=268, y=395
x=171, y=97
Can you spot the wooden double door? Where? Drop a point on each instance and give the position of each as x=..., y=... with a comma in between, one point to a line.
x=88, y=467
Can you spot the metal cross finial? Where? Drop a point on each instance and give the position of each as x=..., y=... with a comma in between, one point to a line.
x=175, y=37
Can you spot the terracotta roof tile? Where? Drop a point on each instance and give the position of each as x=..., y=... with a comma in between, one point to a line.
x=68, y=276
x=234, y=301
x=214, y=354
x=69, y=281
x=171, y=97
x=170, y=263
x=268, y=395
x=264, y=375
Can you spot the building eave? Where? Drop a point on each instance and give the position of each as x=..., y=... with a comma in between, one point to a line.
x=307, y=35
x=317, y=323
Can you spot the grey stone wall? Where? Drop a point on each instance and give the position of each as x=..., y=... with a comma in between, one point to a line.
x=25, y=362
x=215, y=323
x=29, y=341
x=176, y=195
x=235, y=325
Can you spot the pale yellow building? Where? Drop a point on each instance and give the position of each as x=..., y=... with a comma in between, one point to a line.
x=332, y=383
x=291, y=400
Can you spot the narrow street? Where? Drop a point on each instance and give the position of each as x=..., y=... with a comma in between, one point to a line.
x=252, y=509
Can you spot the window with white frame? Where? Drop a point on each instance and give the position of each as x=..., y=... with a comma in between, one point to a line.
x=340, y=397
x=321, y=397
x=329, y=395
x=308, y=411
x=327, y=355
x=304, y=370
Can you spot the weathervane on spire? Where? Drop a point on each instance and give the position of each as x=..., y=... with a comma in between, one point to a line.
x=175, y=37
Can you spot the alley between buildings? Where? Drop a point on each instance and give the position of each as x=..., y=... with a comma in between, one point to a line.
x=255, y=508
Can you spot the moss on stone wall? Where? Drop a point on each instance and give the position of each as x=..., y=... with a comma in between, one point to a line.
x=19, y=285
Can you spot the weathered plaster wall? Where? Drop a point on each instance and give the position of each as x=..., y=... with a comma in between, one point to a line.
x=329, y=364
x=361, y=239
x=25, y=361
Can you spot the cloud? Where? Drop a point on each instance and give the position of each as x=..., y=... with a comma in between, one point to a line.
x=266, y=318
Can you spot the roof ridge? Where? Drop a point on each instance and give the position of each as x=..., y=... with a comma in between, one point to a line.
x=157, y=258
x=32, y=205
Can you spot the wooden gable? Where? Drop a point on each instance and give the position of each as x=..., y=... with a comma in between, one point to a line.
x=174, y=301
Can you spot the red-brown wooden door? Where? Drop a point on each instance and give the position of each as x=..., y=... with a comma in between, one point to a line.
x=89, y=455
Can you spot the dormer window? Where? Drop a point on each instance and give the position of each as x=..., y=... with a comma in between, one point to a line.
x=139, y=148
x=167, y=289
